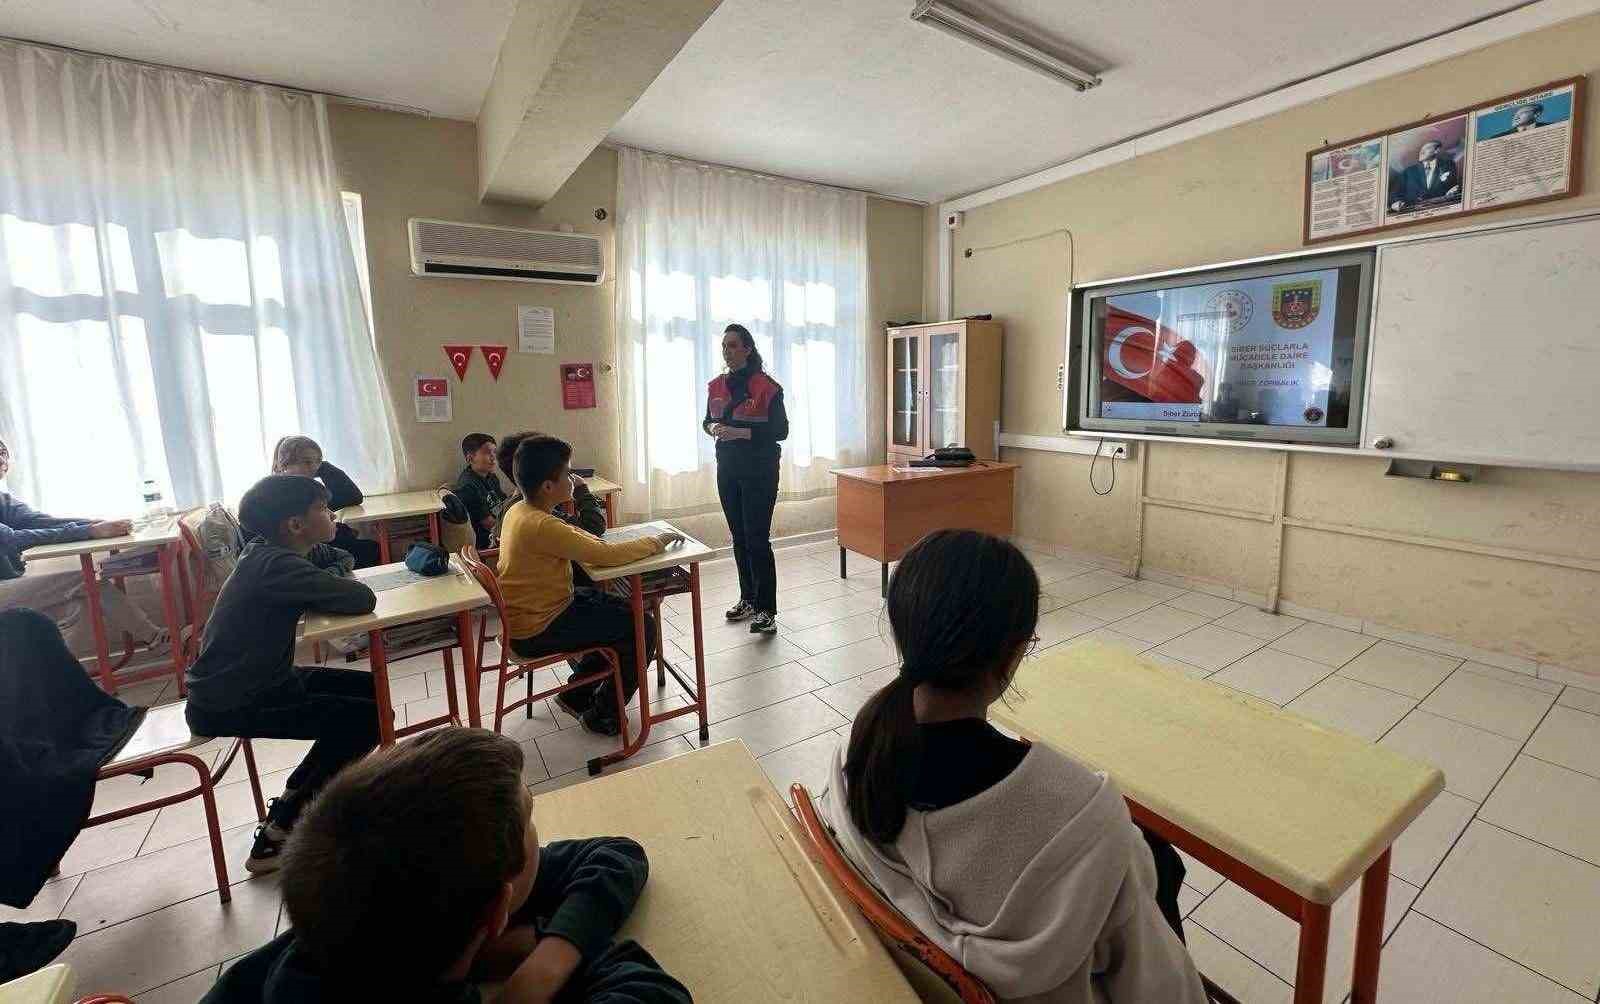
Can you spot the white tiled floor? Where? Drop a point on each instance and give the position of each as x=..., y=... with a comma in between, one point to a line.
x=1496, y=889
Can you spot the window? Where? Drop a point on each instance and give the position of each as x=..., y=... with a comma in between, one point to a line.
x=355, y=226
x=172, y=301
x=700, y=247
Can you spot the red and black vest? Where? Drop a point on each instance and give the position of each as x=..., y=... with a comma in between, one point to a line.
x=724, y=404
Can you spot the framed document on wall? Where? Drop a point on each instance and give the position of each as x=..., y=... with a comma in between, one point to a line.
x=1522, y=148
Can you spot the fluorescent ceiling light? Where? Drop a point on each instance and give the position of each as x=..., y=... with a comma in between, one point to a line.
x=940, y=15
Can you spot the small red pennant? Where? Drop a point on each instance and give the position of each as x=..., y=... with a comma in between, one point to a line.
x=459, y=356
x=495, y=356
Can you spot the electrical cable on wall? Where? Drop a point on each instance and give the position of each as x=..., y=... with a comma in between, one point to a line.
x=1113, y=485
x=1072, y=267
x=1064, y=231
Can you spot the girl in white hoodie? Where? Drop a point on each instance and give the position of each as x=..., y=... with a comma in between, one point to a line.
x=1020, y=862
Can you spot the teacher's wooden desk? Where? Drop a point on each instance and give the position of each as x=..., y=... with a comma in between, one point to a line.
x=1289, y=810
x=883, y=510
x=735, y=907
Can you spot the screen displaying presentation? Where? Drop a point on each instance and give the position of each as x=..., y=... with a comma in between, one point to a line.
x=1268, y=352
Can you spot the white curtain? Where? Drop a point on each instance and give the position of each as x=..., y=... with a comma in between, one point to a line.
x=176, y=286
x=700, y=247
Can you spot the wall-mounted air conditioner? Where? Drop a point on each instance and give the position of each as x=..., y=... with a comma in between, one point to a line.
x=441, y=248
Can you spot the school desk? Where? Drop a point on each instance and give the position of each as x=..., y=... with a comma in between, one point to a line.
x=647, y=582
x=882, y=511
x=1289, y=810
x=454, y=592
x=50, y=985
x=163, y=537
x=380, y=509
x=735, y=908
x=607, y=492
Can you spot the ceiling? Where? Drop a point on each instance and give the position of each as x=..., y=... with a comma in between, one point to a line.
x=426, y=55
x=853, y=93
x=848, y=92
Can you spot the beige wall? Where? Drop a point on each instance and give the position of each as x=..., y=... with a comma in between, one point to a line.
x=1235, y=194
x=405, y=166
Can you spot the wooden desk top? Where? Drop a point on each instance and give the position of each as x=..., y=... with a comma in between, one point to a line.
x=885, y=474
x=392, y=506
x=444, y=594
x=689, y=552
x=600, y=486
x=1305, y=805
x=50, y=985
x=148, y=537
x=735, y=908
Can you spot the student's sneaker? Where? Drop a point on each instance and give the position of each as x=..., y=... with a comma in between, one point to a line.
x=764, y=623
x=600, y=725
x=266, y=854
x=742, y=612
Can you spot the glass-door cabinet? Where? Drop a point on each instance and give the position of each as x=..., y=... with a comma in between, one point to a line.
x=944, y=388
x=906, y=390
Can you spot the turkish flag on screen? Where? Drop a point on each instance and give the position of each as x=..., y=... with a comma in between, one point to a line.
x=1164, y=367
x=432, y=388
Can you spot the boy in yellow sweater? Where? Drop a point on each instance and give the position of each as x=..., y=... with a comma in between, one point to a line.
x=545, y=613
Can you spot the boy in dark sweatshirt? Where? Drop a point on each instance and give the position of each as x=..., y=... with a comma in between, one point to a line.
x=418, y=873
x=245, y=682
x=478, y=488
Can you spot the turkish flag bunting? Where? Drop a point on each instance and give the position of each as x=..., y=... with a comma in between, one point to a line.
x=459, y=356
x=495, y=356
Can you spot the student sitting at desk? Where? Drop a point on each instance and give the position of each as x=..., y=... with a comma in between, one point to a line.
x=478, y=487
x=418, y=873
x=546, y=613
x=1021, y=863
x=245, y=682
x=59, y=595
x=300, y=455
x=586, y=512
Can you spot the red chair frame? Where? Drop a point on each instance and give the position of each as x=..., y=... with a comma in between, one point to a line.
x=891, y=924
x=510, y=667
x=206, y=789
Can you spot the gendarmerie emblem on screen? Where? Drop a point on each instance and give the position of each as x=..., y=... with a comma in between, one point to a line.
x=1295, y=304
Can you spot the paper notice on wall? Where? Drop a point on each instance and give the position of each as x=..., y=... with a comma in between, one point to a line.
x=1346, y=190
x=432, y=397
x=1522, y=149
x=536, y=330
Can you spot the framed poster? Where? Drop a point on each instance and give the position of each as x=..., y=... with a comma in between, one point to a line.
x=1523, y=148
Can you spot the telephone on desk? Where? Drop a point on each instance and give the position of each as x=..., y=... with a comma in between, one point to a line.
x=947, y=456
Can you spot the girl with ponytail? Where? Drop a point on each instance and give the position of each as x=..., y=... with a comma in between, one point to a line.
x=1020, y=862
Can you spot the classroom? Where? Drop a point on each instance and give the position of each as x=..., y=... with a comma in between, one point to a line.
x=858, y=500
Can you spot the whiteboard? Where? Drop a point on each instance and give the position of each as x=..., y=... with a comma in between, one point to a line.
x=1485, y=346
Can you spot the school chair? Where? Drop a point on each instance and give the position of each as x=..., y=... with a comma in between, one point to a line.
x=894, y=928
x=511, y=666
x=896, y=931
x=210, y=539
x=163, y=739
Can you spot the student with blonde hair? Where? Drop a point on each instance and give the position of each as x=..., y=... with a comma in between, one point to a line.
x=301, y=456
